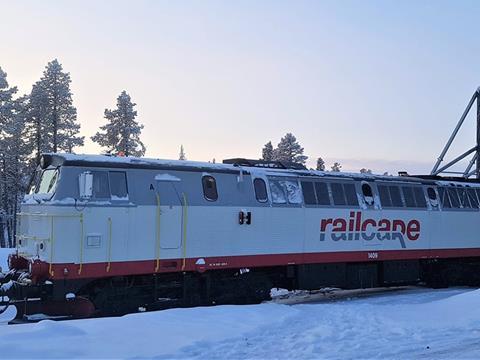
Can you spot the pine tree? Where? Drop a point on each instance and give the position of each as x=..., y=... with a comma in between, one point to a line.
x=289, y=149
x=336, y=167
x=182, y=155
x=6, y=98
x=365, y=171
x=6, y=114
x=53, y=118
x=122, y=131
x=320, y=164
x=267, y=152
x=15, y=164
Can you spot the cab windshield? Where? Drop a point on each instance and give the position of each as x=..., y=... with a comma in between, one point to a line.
x=47, y=182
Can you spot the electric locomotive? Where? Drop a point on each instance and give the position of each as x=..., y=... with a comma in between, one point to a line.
x=106, y=235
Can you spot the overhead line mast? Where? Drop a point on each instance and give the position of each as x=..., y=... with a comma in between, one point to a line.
x=475, y=160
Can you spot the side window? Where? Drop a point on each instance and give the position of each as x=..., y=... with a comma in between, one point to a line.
x=390, y=196
x=100, y=186
x=454, y=199
x=278, y=195
x=209, y=188
x=419, y=197
x=408, y=196
x=385, y=199
x=444, y=199
x=308, y=193
x=464, y=199
x=395, y=196
x=293, y=192
x=260, y=190
x=283, y=190
x=338, y=194
x=477, y=190
x=118, y=185
x=321, y=190
x=473, y=197
x=350, y=194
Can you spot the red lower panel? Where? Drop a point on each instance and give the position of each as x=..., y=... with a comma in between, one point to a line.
x=93, y=270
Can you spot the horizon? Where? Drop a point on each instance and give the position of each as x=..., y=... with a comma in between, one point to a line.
x=358, y=83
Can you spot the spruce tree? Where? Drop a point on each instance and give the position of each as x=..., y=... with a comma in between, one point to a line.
x=336, y=167
x=53, y=118
x=182, y=155
x=122, y=132
x=289, y=149
x=320, y=164
x=267, y=152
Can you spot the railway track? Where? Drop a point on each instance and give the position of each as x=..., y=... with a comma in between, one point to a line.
x=285, y=297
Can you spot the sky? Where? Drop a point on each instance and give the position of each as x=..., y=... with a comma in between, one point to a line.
x=375, y=84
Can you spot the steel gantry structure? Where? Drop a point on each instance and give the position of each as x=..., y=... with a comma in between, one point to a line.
x=475, y=150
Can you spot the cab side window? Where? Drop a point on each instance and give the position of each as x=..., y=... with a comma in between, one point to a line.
x=101, y=189
x=209, y=188
x=118, y=185
x=285, y=191
x=260, y=190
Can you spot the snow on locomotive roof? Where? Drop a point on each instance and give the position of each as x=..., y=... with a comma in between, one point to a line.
x=58, y=159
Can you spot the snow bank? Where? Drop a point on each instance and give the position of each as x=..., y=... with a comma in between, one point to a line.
x=161, y=333
x=419, y=323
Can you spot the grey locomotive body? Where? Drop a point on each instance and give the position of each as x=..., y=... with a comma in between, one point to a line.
x=109, y=235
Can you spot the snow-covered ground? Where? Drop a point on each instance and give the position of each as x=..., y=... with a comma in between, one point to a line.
x=413, y=323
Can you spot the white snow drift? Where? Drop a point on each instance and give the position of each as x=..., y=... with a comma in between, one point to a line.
x=419, y=323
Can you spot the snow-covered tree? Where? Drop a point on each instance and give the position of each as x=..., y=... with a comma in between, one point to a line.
x=15, y=164
x=267, y=152
x=365, y=171
x=182, y=155
x=53, y=118
x=336, y=167
x=320, y=164
x=6, y=96
x=289, y=149
x=122, y=132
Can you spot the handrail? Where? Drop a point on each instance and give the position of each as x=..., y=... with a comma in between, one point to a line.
x=52, y=242
x=157, y=232
x=109, y=243
x=184, y=229
x=81, y=244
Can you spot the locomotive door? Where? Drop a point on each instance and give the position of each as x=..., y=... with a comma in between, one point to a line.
x=169, y=211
